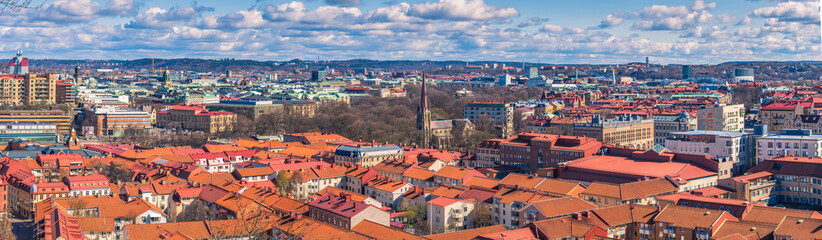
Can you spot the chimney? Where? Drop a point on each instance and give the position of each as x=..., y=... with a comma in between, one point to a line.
x=578, y=216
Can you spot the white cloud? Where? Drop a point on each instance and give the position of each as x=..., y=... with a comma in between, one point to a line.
x=612, y=20
x=460, y=10
x=807, y=12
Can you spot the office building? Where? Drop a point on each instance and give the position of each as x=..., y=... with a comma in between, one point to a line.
x=631, y=131
x=721, y=118
x=318, y=75
x=743, y=75
x=366, y=154
x=65, y=92
x=108, y=121
x=251, y=108
x=686, y=72
x=533, y=72
x=532, y=151
x=60, y=118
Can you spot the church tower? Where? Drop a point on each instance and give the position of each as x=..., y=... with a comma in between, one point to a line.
x=167, y=79
x=424, y=116
x=77, y=78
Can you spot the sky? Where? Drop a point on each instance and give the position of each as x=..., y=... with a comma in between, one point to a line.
x=545, y=31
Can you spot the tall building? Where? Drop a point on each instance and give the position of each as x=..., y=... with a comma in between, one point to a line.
x=630, y=131
x=19, y=64
x=78, y=77
x=533, y=72
x=30, y=89
x=780, y=115
x=789, y=142
x=502, y=114
x=722, y=117
x=65, y=92
x=686, y=72
x=424, y=116
x=109, y=121
x=318, y=75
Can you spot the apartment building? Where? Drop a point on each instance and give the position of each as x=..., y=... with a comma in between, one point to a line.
x=28, y=89
x=196, y=119
x=631, y=131
x=721, y=118
x=731, y=147
x=791, y=180
x=665, y=124
x=531, y=151
x=488, y=154
x=783, y=114
x=448, y=214
x=508, y=202
x=366, y=154
x=343, y=212
x=387, y=191
x=641, y=192
x=679, y=222
x=501, y=113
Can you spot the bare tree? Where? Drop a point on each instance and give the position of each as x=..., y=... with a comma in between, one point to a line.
x=482, y=215
x=5, y=226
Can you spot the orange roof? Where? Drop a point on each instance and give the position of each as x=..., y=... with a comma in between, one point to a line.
x=419, y=173
x=634, y=190
x=526, y=181
x=458, y=173
x=447, y=191
x=691, y=217
x=215, y=148
x=467, y=234
x=773, y=215
x=300, y=151
x=509, y=195
x=481, y=182
x=561, y=187
x=729, y=228
x=257, y=171
x=96, y=224
x=196, y=230
x=377, y=231
x=556, y=207
x=799, y=228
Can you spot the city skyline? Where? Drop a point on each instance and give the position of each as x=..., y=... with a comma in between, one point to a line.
x=473, y=30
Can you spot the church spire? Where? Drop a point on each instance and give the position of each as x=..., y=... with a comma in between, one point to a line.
x=424, y=115
x=423, y=95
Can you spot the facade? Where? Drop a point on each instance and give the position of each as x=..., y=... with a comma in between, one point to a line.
x=665, y=124
x=731, y=146
x=90, y=185
x=60, y=118
x=488, y=154
x=387, y=191
x=196, y=119
x=250, y=108
x=448, y=214
x=65, y=93
x=679, y=222
x=343, y=212
x=786, y=115
x=629, y=131
x=28, y=127
x=789, y=142
x=366, y=154
x=107, y=121
x=784, y=180
x=641, y=192
x=28, y=89
x=501, y=113
x=722, y=118
x=531, y=151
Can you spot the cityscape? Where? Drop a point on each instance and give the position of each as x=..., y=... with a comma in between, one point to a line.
x=426, y=119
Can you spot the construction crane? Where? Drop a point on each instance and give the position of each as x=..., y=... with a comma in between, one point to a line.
x=153, y=70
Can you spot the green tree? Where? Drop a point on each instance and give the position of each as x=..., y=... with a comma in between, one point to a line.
x=283, y=182
x=416, y=216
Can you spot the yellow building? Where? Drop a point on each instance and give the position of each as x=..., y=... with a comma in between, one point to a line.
x=60, y=118
x=196, y=119
x=29, y=89
x=629, y=131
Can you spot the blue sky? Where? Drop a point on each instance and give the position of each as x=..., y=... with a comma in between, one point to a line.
x=548, y=31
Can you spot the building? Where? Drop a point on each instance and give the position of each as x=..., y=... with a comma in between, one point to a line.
x=107, y=121
x=731, y=147
x=251, y=108
x=366, y=154
x=631, y=131
x=448, y=214
x=19, y=64
x=789, y=142
x=424, y=117
x=90, y=185
x=621, y=165
x=501, y=113
x=795, y=180
x=641, y=192
x=531, y=151
x=27, y=127
x=309, y=138
x=665, y=124
x=60, y=118
x=553, y=208
x=488, y=154
x=721, y=118
x=786, y=115
x=196, y=119
x=343, y=212
x=318, y=75
x=387, y=191
x=753, y=187
x=686, y=72
x=65, y=93
x=680, y=222
x=28, y=89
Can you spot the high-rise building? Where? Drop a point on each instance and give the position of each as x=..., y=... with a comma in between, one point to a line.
x=424, y=116
x=19, y=64
x=504, y=80
x=729, y=148
x=721, y=118
x=318, y=75
x=533, y=72
x=686, y=72
x=65, y=92
x=30, y=89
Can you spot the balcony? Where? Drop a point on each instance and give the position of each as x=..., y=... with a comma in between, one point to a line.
x=762, y=184
x=669, y=231
x=645, y=230
x=457, y=214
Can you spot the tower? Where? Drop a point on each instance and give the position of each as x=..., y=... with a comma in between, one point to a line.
x=77, y=79
x=424, y=116
x=167, y=79
x=19, y=64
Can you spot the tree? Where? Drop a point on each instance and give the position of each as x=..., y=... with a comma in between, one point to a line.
x=416, y=216
x=196, y=211
x=283, y=182
x=483, y=216
x=117, y=173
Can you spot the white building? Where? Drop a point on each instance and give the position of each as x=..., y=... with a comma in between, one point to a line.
x=448, y=214
x=387, y=191
x=727, y=146
x=789, y=142
x=664, y=125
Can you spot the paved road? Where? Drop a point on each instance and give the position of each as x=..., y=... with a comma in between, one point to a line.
x=22, y=229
